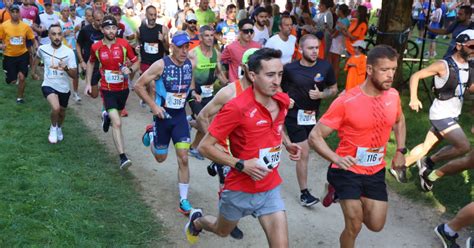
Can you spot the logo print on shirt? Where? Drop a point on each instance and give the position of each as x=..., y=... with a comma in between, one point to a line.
x=252, y=113
x=388, y=103
x=261, y=122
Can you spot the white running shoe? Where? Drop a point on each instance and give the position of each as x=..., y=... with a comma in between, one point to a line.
x=53, y=135
x=60, y=134
x=76, y=97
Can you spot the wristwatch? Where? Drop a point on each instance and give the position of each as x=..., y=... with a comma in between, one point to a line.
x=403, y=150
x=239, y=165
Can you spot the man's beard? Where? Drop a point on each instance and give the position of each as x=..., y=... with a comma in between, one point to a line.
x=308, y=58
x=108, y=37
x=464, y=55
x=56, y=45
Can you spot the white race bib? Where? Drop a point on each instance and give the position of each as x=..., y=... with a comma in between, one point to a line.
x=113, y=77
x=207, y=90
x=175, y=100
x=16, y=41
x=369, y=156
x=270, y=157
x=151, y=48
x=27, y=21
x=54, y=73
x=306, y=117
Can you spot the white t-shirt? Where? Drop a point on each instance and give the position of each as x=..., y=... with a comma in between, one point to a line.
x=260, y=36
x=53, y=77
x=46, y=21
x=287, y=48
x=449, y=108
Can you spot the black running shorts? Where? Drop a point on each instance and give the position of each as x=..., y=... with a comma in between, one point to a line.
x=297, y=133
x=114, y=99
x=13, y=65
x=350, y=185
x=196, y=107
x=63, y=97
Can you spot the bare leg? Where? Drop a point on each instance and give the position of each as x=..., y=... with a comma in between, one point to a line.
x=422, y=149
x=302, y=165
x=459, y=144
x=464, y=218
x=219, y=225
x=55, y=108
x=21, y=85
x=456, y=166
x=183, y=166
x=117, y=130
x=353, y=218
x=276, y=228
x=197, y=139
x=375, y=213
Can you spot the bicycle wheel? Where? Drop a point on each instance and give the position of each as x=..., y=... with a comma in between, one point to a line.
x=412, y=50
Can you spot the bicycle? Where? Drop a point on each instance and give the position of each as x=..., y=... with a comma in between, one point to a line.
x=411, y=51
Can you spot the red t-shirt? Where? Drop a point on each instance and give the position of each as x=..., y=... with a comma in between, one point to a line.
x=111, y=60
x=232, y=55
x=364, y=124
x=246, y=122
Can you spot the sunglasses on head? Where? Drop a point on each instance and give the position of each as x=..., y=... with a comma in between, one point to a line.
x=247, y=31
x=192, y=22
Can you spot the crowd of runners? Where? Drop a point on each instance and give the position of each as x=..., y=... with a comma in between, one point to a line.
x=250, y=80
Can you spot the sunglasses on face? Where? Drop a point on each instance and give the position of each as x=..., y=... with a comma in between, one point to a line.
x=247, y=31
x=192, y=22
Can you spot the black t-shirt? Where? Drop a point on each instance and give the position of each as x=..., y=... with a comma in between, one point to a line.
x=298, y=80
x=86, y=38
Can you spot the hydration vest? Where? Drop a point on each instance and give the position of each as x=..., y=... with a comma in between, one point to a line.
x=448, y=90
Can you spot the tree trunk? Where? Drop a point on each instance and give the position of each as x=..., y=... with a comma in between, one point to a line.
x=394, y=20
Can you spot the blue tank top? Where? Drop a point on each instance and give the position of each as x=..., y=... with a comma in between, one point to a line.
x=172, y=87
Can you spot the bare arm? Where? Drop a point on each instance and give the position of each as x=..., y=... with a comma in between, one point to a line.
x=154, y=72
x=400, y=136
x=437, y=68
x=165, y=40
x=317, y=142
x=212, y=108
x=220, y=72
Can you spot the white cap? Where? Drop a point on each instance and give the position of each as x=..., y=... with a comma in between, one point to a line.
x=465, y=36
x=360, y=43
x=191, y=17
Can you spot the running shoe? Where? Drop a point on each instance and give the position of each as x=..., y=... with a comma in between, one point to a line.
x=146, y=140
x=424, y=172
x=330, y=196
x=20, y=101
x=195, y=153
x=307, y=200
x=190, y=231
x=53, y=135
x=105, y=121
x=76, y=97
x=125, y=163
x=470, y=242
x=185, y=207
x=60, y=134
x=399, y=174
x=237, y=233
x=124, y=113
x=142, y=104
x=211, y=169
x=448, y=241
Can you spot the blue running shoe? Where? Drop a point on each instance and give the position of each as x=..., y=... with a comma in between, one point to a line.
x=195, y=153
x=185, y=207
x=146, y=136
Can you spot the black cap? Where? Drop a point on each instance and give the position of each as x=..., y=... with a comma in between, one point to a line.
x=48, y=2
x=109, y=21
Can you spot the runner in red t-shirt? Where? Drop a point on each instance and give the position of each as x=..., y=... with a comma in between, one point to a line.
x=363, y=117
x=113, y=54
x=252, y=185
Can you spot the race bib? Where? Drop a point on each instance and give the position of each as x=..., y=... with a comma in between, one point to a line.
x=306, y=117
x=151, y=48
x=369, y=156
x=207, y=90
x=175, y=100
x=27, y=21
x=270, y=157
x=54, y=73
x=16, y=41
x=113, y=77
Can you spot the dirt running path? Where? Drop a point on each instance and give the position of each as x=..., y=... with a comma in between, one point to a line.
x=408, y=224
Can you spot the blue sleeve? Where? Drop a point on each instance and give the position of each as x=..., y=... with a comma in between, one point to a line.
x=219, y=27
x=160, y=92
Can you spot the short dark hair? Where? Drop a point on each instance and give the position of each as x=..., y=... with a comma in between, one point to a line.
x=285, y=17
x=381, y=52
x=230, y=6
x=467, y=10
x=150, y=7
x=55, y=25
x=255, y=60
x=243, y=22
x=344, y=9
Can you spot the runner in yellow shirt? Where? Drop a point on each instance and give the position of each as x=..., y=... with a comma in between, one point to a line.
x=17, y=38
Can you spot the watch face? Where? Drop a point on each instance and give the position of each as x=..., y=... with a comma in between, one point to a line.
x=403, y=150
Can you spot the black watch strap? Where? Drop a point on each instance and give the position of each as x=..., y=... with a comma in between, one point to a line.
x=403, y=150
x=239, y=165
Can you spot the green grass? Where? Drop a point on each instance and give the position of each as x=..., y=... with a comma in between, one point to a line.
x=66, y=195
x=451, y=192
